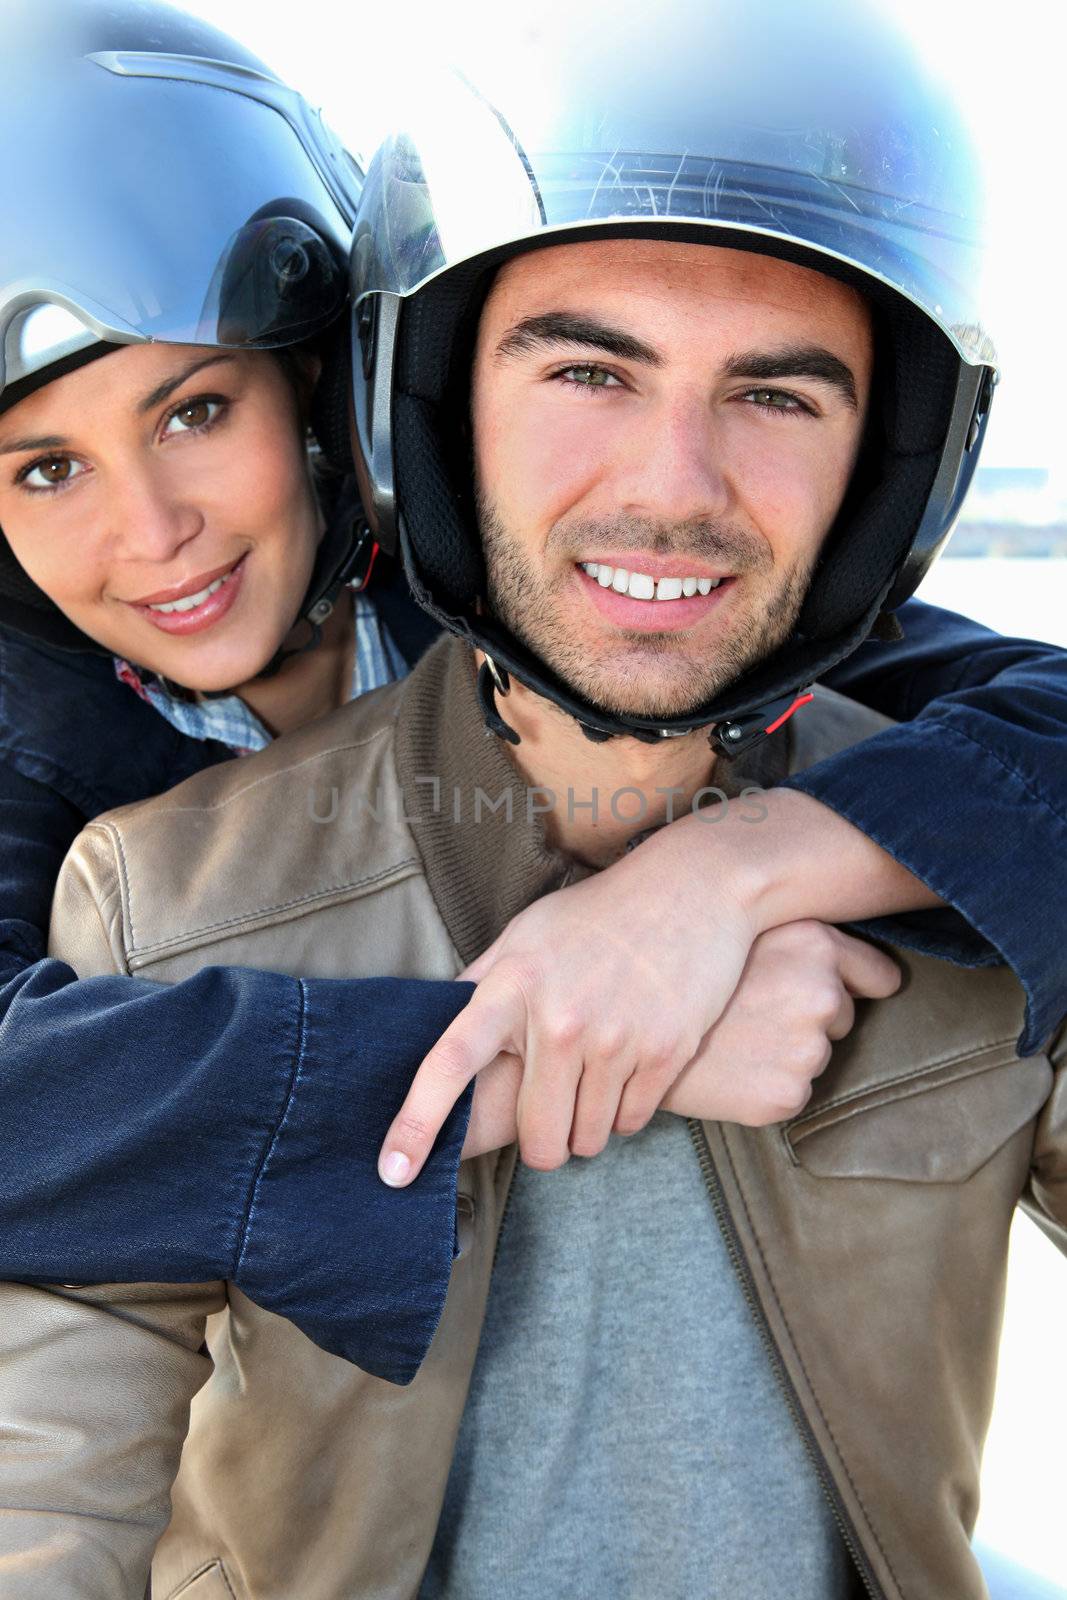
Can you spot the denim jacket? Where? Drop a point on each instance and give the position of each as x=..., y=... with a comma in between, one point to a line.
x=227, y=1126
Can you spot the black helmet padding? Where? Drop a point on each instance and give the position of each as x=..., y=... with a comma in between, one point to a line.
x=917, y=376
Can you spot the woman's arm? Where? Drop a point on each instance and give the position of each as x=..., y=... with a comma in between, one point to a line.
x=969, y=793
x=947, y=833
x=223, y=1127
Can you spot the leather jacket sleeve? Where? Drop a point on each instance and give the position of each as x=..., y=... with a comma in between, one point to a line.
x=94, y=1394
x=1046, y=1197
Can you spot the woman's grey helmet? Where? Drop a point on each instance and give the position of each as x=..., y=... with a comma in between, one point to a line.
x=810, y=132
x=159, y=183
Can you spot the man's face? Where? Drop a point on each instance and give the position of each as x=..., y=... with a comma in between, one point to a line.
x=653, y=419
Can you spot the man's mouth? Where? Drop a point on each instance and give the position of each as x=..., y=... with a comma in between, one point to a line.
x=644, y=586
x=667, y=600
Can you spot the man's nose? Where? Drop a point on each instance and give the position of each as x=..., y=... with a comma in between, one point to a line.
x=152, y=515
x=674, y=467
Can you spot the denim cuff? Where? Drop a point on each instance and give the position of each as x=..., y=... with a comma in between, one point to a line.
x=361, y=1268
x=977, y=834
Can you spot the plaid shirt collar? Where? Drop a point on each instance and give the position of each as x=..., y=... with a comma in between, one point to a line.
x=229, y=721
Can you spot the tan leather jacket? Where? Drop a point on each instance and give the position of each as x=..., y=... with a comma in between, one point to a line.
x=869, y=1234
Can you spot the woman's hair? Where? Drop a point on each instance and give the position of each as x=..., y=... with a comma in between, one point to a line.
x=300, y=364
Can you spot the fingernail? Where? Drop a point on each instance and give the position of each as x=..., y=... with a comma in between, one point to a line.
x=395, y=1168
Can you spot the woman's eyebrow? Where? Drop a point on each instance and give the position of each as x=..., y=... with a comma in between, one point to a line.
x=50, y=441
x=554, y=328
x=795, y=361
x=164, y=390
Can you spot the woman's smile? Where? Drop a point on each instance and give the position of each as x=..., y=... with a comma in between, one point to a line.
x=161, y=497
x=191, y=607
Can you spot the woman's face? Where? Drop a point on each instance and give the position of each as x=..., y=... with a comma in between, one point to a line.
x=160, y=496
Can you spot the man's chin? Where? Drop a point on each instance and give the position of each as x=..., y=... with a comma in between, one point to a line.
x=645, y=701
x=648, y=678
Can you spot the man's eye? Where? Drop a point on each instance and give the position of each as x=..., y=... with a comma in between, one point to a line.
x=588, y=377
x=54, y=472
x=774, y=400
x=192, y=416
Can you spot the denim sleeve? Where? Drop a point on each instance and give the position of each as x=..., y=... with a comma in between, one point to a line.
x=223, y=1127
x=969, y=793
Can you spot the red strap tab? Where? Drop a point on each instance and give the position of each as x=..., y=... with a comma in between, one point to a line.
x=801, y=700
x=359, y=584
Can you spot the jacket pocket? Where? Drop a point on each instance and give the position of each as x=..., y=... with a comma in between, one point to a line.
x=937, y=1125
x=210, y=1583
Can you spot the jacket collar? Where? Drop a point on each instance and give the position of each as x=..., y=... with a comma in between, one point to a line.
x=483, y=845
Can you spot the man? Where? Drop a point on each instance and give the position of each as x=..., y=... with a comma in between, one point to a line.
x=788, y=1401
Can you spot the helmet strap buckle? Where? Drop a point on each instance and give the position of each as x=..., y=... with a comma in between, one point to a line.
x=733, y=738
x=492, y=680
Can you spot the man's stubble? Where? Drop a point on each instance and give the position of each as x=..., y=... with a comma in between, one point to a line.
x=653, y=675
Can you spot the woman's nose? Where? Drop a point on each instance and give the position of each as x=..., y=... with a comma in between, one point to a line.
x=152, y=517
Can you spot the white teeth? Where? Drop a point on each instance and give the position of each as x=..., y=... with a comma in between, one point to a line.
x=189, y=602
x=640, y=586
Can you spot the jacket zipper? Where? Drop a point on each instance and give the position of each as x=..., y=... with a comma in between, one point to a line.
x=739, y=1261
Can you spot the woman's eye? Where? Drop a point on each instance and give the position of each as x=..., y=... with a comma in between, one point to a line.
x=192, y=416
x=54, y=472
x=587, y=377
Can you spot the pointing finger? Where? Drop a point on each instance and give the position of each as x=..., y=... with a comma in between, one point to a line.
x=493, y=1022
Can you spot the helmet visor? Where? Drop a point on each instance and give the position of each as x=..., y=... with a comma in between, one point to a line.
x=811, y=124
x=182, y=211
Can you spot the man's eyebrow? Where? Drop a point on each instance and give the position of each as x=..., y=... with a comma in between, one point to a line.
x=795, y=361
x=164, y=390
x=566, y=328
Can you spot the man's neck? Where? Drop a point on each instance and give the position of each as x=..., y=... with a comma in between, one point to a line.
x=597, y=796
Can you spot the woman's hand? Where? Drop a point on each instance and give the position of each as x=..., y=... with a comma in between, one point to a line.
x=758, y=1064
x=605, y=990
x=796, y=999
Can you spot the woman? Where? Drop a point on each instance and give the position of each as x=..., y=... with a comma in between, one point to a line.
x=162, y=529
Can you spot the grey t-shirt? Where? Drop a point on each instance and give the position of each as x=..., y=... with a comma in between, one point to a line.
x=625, y=1434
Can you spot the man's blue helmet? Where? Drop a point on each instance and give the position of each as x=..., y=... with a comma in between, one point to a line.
x=813, y=133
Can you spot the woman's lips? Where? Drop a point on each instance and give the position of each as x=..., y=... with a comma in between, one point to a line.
x=651, y=616
x=212, y=609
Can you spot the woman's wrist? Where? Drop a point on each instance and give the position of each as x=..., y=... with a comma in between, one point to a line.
x=792, y=858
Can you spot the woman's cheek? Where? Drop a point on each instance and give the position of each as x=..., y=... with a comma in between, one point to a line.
x=52, y=562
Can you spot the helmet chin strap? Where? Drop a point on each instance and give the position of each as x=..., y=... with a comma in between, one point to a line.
x=345, y=559
x=725, y=738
